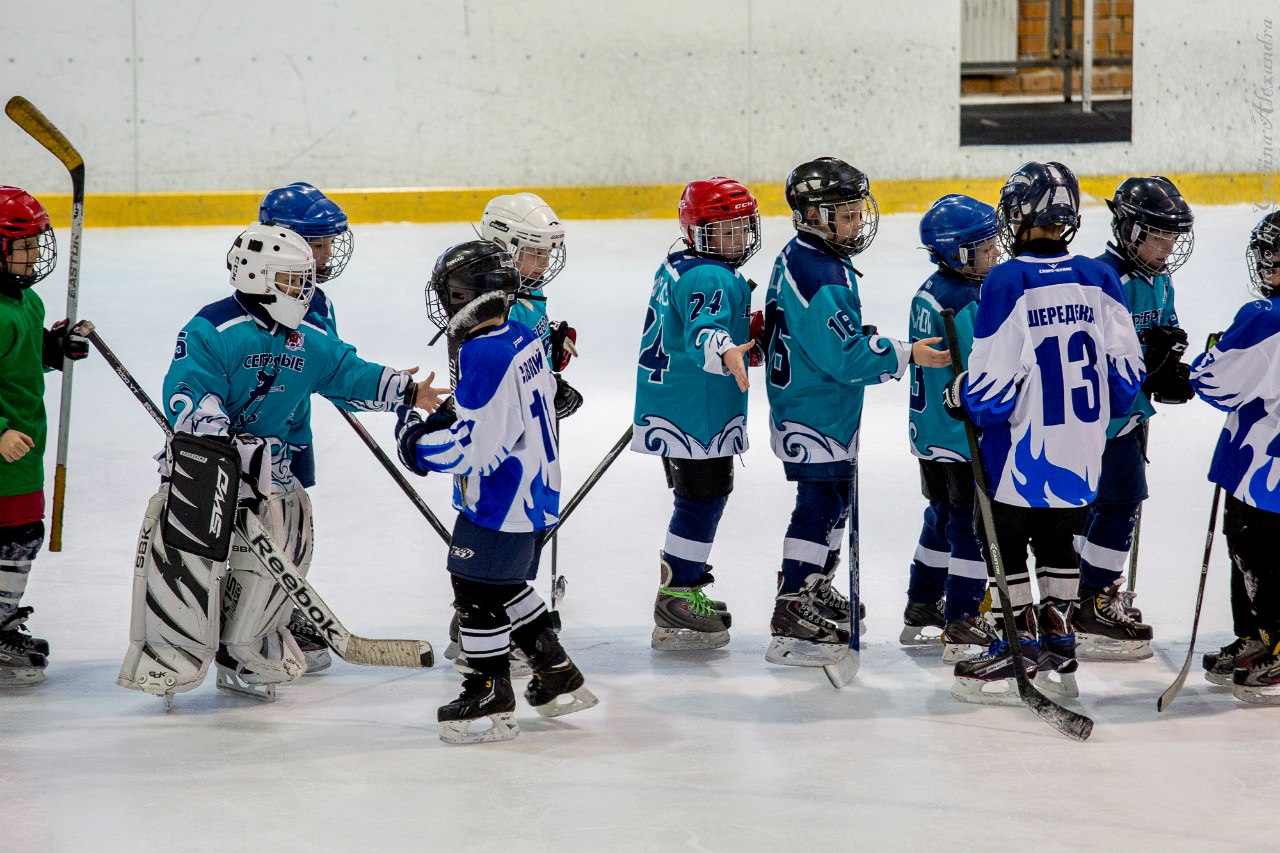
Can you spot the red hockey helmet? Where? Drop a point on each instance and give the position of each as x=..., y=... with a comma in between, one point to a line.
x=720, y=218
x=28, y=251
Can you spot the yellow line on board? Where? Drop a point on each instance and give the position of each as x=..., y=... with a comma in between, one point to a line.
x=652, y=201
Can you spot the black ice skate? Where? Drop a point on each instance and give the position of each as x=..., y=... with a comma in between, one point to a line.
x=1259, y=682
x=483, y=696
x=1240, y=654
x=989, y=679
x=21, y=665
x=311, y=642
x=1057, y=664
x=554, y=676
x=966, y=638
x=922, y=623
x=802, y=635
x=685, y=619
x=1105, y=629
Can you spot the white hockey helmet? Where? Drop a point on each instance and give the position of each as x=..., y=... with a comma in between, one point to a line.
x=274, y=268
x=529, y=229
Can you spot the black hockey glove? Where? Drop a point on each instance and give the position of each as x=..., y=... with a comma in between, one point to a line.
x=1172, y=385
x=870, y=331
x=61, y=343
x=953, y=398
x=409, y=428
x=564, y=340
x=568, y=400
x=1165, y=346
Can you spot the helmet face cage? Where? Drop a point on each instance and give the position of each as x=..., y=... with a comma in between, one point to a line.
x=969, y=253
x=1264, y=256
x=829, y=214
x=732, y=240
x=549, y=259
x=46, y=247
x=1132, y=232
x=280, y=277
x=333, y=253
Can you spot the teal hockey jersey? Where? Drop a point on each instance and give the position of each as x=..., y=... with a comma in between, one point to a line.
x=934, y=433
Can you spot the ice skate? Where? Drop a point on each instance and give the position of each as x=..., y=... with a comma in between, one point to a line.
x=484, y=697
x=989, y=679
x=311, y=642
x=802, y=635
x=922, y=623
x=16, y=627
x=830, y=602
x=1259, y=682
x=1105, y=631
x=229, y=680
x=20, y=664
x=555, y=676
x=1239, y=654
x=685, y=619
x=966, y=638
x=1057, y=664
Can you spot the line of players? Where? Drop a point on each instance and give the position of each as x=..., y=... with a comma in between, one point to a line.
x=242, y=367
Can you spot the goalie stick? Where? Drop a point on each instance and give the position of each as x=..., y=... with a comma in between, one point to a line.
x=30, y=119
x=1167, y=697
x=415, y=654
x=1066, y=721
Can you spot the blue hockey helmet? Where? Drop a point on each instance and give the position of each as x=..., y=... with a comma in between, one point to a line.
x=954, y=228
x=1038, y=195
x=306, y=211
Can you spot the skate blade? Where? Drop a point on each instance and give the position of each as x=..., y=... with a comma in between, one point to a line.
x=919, y=635
x=842, y=672
x=317, y=661
x=519, y=667
x=232, y=683
x=21, y=676
x=1219, y=679
x=956, y=652
x=452, y=650
x=686, y=640
x=1256, y=695
x=501, y=727
x=579, y=700
x=791, y=651
x=1063, y=686
x=1001, y=691
x=1095, y=647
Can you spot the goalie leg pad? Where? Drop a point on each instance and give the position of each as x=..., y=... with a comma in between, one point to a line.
x=173, y=632
x=255, y=609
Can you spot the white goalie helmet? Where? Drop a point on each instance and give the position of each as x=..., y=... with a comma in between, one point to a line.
x=531, y=232
x=274, y=268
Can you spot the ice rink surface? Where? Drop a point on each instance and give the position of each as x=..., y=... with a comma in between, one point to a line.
x=705, y=751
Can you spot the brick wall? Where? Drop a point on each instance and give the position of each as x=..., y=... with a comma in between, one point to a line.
x=1112, y=38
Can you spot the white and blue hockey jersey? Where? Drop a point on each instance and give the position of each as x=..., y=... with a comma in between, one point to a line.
x=1241, y=376
x=235, y=371
x=503, y=449
x=934, y=433
x=818, y=359
x=688, y=406
x=1054, y=355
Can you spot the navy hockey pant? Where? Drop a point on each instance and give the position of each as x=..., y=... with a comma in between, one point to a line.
x=812, y=544
x=1122, y=487
x=702, y=488
x=948, y=560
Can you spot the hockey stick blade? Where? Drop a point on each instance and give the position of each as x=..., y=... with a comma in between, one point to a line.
x=842, y=672
x=25, y=115
x=413, y=654
x=1171, y=693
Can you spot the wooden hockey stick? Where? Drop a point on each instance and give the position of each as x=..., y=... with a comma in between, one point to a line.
x=30, y=119
x=415, y=654
x=1167, y=697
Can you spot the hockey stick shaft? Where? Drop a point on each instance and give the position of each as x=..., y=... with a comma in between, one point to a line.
x=350, y=647
x=390, y=467
x=1137, y=524
x=590, y=482
x=30, y=119
x=855, y=565
x=1069, y=723
x=1167, y=697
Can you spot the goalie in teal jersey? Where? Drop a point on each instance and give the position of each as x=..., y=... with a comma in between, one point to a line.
x=820, y=358
x=691, y=397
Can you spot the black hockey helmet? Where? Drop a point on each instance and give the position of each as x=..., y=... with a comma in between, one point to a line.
x=1264, y=254
x=828, y=184
x=1037, y=195
x=467, y=271
x=1142, y=207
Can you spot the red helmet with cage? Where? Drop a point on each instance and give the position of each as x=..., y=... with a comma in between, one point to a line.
x=24, y=229
x=720, y=218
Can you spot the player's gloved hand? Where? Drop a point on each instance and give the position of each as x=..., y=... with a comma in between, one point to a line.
x=409, y=428
x=61, y=343
x=1172, y=385
x=255, y=467
x=953, y=398
x=443, y=417
x=568, y=400
x=755, y=358
x=869, y=330
x=564, y=344
x=1165, y=346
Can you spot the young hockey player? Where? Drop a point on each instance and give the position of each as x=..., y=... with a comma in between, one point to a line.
x=1054, y=354
x=307, y=212
x=1239, y=375
x=240, y=369
x=499, y=441
x=948, y=576
x=691, y=397
x=820, y=356
x=28, y=253
x=1151, y=224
